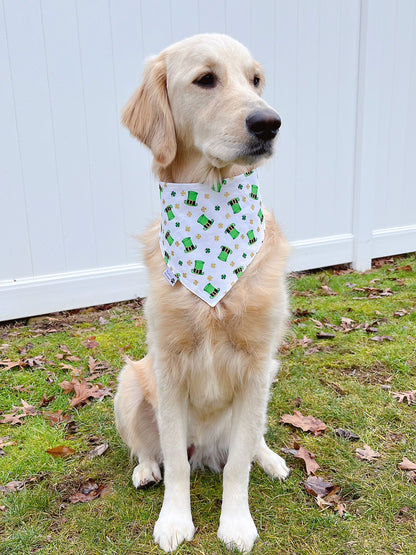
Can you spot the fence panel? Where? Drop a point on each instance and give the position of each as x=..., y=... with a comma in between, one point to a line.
x=75, y=188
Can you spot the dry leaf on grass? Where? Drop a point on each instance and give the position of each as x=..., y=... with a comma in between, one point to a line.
x=309, y=458
x=84, y=390
x=407, y=465
x=381, y=338
x=14, y=418
x=87, y=492
x=306, y=423
x=17, y=485
x=61, y=451
x=98, y=451
x=90, y=342
x=346, y=434
x=401, y=312
x=56, y=417
x=317, y=486
x=410, y=396
x=367, y=454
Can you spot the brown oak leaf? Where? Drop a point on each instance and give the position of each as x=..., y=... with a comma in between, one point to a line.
x=407, y=465
x=367, y=454
x=306, y=423
x=410, y=396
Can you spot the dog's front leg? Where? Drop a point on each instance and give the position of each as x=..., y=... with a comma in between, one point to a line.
x=174, y=524
x=237, y=528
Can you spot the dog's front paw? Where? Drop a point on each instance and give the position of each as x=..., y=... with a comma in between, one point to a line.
x=145, y=474
x=275, y=466
x=171, y=529
x=238, y=531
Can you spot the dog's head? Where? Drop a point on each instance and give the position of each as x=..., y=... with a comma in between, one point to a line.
x=202, y=96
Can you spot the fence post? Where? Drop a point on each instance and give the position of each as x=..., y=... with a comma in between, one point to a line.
x=363, y=180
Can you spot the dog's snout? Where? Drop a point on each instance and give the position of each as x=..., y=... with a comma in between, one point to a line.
x=264, y=124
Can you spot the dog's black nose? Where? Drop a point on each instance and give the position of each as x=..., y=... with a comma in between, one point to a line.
x=264, y=124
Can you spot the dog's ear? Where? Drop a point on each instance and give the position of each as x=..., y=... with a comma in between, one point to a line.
x=147, y=114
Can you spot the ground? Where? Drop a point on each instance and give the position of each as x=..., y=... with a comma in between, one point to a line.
x=351, y=347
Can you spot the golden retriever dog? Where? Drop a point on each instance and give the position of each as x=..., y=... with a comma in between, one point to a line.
x=199, y=398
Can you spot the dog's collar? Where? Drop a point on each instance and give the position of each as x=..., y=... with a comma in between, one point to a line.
x=208, y=237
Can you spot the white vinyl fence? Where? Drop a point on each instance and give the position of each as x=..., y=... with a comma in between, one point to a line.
x=75, y=188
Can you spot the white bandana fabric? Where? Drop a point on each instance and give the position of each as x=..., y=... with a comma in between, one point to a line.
x=208, y=237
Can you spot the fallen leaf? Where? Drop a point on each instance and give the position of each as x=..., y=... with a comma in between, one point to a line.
x=306, y=423
x=341, y=510
x=98, y=451
x=94, y=367
x=4, y=442
x=90, y=342
x=24, y=350
x=84, y=390
x=8, y=364
x=346, y=434
x=56, y=417
x=44, y=402
x=29, y=409
x=327, y=290
x=401, y=312
x=410, y=396
x=407, y=465
x=12, y=419
x=61, y=451
x=317, y=486
x=309, y=458
x=367, y=454
x=381, y=338
x=325, y=335
x=12, y=486
x=89, y=491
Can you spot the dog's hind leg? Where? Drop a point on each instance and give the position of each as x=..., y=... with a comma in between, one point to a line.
x=271, y=462
x=134, y=407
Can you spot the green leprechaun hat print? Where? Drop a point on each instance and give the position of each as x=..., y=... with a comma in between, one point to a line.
x=224, y=254
x=251, y=237
x=169, y=212
x=191, y=200
x=254, y=192
x=187, y=243
x=205, y=222
x=169, y=238
x=234, y=205
x=211, y=290
x=232, y=231
x=198, y=269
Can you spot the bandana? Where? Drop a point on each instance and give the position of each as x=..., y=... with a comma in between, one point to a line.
x=208, y=237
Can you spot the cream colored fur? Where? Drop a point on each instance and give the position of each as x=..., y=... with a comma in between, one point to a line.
x=206, y=378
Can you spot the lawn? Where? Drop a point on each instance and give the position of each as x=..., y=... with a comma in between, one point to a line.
x=351, y=347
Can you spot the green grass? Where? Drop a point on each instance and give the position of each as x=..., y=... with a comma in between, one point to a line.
x=345, y=382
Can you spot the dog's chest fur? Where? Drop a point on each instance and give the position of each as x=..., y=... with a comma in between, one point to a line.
x=212, y=349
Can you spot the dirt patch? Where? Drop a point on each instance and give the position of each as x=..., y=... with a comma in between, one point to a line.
x=375, y=374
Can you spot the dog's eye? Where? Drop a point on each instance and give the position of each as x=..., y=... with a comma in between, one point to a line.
x=207, y=81
x=256, y=81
